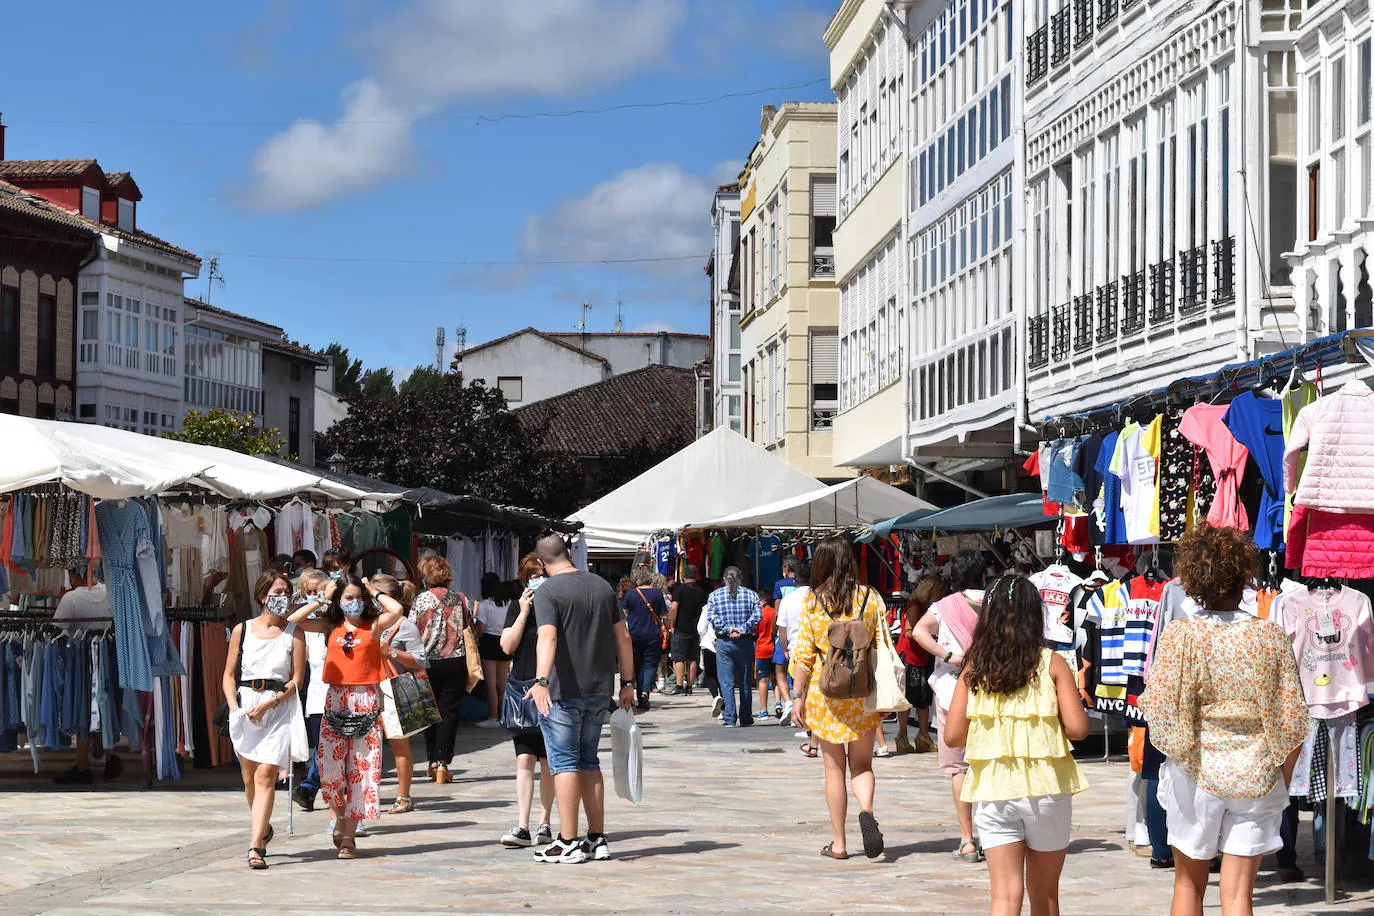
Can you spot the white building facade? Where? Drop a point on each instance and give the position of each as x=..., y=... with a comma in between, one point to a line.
x=1335, y=128
x=868, y=71
x=726, y=364
x=1162, y=170
x=965, y=184
x=129, y=351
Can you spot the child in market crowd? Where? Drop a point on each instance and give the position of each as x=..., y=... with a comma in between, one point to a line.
x=1015, y=710
x=763, y=661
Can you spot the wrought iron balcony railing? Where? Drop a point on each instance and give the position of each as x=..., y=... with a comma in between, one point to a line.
x=1038, y=55
x=1083, y=22
x=1133, y=289
x=1162, y=291
x=1224, y=269
x=1192, y=280
x=1059, y=332
x=1106, y=11
x=1082, y=322
x=1106, y=312
x=1059, y=36
x=1038, y=348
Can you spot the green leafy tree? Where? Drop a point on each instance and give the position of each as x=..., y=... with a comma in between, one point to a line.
x=348, y=372
x=460, y=439
x=379, y=384
x=238, y=432
x=425, y=381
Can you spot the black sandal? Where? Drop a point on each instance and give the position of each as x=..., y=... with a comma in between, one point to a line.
x=873, y=838
x=268, y=837
x=808, y=750
x=830, y=853
x=257, y=858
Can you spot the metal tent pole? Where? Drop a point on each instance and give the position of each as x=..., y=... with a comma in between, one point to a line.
x=1331, y=806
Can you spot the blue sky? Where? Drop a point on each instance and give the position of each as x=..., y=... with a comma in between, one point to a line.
x=340, y=129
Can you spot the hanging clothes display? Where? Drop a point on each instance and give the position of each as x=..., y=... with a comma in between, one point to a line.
x=1204, y=426
x=121, y=524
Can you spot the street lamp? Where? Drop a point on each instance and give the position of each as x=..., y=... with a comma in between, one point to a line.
x=337, y=463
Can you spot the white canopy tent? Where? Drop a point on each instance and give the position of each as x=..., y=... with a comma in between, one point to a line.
x=117, y=464
x=861, y=501
x=714, y=475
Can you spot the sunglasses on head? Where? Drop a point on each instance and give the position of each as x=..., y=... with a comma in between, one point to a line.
x=349, y=640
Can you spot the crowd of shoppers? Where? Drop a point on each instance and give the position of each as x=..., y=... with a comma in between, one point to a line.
x=302, y=685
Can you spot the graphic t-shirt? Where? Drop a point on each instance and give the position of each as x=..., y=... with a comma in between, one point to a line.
x=1056, y=584
x=1136, y=462
x=665, y=552
x=1333, y=639
x=768, y=563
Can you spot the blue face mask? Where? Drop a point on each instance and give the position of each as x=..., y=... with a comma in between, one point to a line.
x=336, y=575
x=277, y=604
x=352, y=609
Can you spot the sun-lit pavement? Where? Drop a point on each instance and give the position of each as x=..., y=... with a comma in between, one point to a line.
x=732, y=822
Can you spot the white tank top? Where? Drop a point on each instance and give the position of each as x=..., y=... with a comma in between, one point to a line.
x=266, y=659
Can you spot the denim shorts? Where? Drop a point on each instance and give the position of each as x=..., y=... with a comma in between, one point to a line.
x=572, y=732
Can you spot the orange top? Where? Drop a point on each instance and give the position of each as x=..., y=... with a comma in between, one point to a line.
x=353, y=657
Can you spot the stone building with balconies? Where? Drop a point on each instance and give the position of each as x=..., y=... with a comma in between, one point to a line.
x=1161, y=155
x=788, y=294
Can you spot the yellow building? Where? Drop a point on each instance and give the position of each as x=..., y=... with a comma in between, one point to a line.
x=789, y=330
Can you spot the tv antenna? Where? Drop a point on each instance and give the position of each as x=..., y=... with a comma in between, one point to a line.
x=582, y=325
x=212, y=276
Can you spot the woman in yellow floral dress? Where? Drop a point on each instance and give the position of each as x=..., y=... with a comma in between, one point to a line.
x=843, y=727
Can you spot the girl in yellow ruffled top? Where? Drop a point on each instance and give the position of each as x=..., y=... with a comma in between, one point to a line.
x=1017, y=707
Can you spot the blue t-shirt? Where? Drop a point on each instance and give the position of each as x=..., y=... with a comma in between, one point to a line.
x=665, y=551
x=1257, y=424
x=1114, y=520
x=782, y=588
x=767, y=562
x=637, y=604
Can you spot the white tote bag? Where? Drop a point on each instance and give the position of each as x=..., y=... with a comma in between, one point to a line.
x=889, y=677
x=627, y=756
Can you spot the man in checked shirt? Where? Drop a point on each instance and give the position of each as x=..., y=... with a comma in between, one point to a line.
x=734, y=613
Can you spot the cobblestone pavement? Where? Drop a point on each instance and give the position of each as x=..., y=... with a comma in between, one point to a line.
x=733, y=821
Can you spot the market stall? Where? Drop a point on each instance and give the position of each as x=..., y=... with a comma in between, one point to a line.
x=714, y=476
x=1275, y=447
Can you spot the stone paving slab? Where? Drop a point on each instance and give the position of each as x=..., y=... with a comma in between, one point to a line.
x=732, y=821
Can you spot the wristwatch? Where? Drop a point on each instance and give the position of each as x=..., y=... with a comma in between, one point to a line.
x=395, y=654
x=624, y=683
x=542, y=682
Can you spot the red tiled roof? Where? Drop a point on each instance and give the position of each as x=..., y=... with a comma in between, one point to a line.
x=148, y=240
x=216, y=310
x=11, y=169
x=647, y=408
x=25, y=203
x=115, y=179
x=291, y=348
x=551, y=338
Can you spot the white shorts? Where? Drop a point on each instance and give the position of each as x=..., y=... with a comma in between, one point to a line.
x=1202, y=824
x=1043, y=822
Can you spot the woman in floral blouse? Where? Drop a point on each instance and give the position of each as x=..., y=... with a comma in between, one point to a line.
x=1225, y=706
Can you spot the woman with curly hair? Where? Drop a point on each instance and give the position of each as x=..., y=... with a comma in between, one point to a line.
x=1226, y=707
x=1015, y=710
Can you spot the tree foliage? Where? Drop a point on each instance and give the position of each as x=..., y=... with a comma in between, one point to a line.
x=239, y=432
x=348, y=372
x=425, y=381
x=460, y=439
x=379, y=384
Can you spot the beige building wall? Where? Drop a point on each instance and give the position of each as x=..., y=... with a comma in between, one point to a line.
x=787, y=282
x=868, y=74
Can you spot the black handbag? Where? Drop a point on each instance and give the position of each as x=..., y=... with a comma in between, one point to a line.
x=221, y=718
x=353, y=724
x=518, y=713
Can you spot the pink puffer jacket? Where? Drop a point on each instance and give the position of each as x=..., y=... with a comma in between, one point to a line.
x=1338, y=433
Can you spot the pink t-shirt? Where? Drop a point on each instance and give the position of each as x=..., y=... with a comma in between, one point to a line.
x=1204, y=425
x=1333, y=640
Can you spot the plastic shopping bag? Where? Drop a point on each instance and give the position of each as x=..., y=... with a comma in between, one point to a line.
x=627, y=756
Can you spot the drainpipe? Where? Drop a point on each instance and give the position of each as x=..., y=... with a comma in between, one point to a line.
x=1242, y=271
x=940, y=475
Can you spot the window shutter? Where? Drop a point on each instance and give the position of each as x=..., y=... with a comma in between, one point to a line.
x=825, y=357
x=823, y=195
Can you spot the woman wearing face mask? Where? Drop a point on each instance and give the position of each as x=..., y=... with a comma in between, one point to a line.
x=262, y=682
x=337, y=563
x=353, y=620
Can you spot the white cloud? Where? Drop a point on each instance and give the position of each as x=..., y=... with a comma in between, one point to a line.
x=437, y=52
x=657, y=210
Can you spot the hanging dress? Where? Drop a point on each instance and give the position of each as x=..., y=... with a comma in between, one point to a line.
x=120, y=524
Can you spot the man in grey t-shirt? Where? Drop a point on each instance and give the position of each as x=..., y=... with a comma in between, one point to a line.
x=582, y=641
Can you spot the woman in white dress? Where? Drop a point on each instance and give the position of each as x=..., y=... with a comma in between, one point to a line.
x=262, y=684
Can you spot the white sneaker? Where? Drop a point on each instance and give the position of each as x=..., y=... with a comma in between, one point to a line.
x=601, y=850
x=563, y=852
x=763, y=715
x=489, y=723
x=717, y=707
x=786, y=715
x=517, y=838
